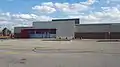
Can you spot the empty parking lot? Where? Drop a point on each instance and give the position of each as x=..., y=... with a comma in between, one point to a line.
x=75, y=53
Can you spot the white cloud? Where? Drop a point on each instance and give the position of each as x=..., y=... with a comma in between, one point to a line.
x=21, y=17
x=10, y=20
x=43, y=18
x=113, y=12
x=50, y=7
x=89, y=2
x=70, y=8
x=61, y=5
x=7, y=14
x=24, y=16
x=48, y=4
x=44, y=9
x=108, y=15
x=86, y=19
x=3, y=18
x=5, y=22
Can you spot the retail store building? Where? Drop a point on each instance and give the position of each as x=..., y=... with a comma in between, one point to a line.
x=68, y=28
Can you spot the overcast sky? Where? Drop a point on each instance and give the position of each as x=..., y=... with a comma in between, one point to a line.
x=24, y=12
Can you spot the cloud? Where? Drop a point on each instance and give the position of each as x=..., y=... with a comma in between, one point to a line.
x=24, y=16
x=103, y=13
x=21, y=16
x=89, y=2
x=107, y=15
x=30, y=17
x=7, y=14
x=10, y=20
x=71, y=8
x=112, y=12
x=48, y=4
x=43, y=18
x=44, y=9
x=50, y=7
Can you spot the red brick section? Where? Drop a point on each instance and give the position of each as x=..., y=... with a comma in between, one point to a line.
x=24, y=33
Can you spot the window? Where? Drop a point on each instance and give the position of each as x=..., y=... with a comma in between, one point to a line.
x=31, y=32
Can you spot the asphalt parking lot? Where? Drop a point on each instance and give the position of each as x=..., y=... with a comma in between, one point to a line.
x=74, y=53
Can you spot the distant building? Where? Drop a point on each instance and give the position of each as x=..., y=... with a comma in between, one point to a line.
x=70, y=28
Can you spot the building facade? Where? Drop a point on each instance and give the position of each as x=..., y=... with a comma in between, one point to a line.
x=48, y=29
x=98, y=31
x=68, y=28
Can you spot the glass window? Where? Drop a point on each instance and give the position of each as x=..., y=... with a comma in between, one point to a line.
x=31, y=32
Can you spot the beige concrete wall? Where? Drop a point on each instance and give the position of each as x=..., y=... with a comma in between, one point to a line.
x=43, y=25
x=64, y=28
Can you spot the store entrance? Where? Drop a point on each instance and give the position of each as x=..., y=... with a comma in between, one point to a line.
x=42, y=33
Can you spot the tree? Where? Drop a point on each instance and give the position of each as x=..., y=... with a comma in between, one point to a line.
x=6, y=32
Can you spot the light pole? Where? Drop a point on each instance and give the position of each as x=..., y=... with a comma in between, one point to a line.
x=109, y=35
x=109, y=32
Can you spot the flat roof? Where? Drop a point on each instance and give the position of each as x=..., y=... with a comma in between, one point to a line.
x=65, y=19
x=42, y=21
x=23, y=27
x=99, y=24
